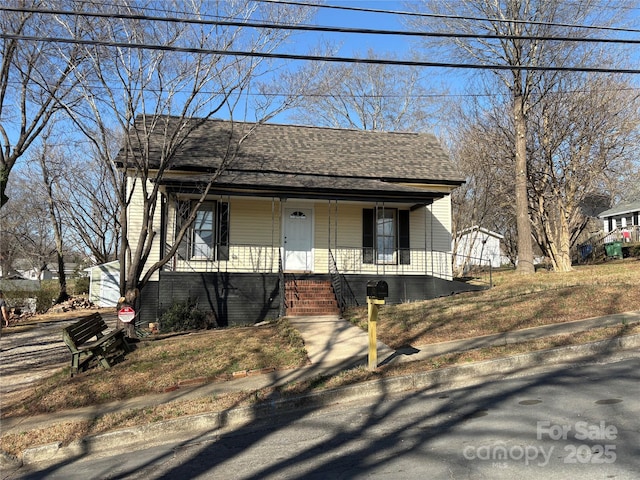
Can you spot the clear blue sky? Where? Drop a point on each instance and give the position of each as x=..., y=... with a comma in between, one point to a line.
x=358, y=44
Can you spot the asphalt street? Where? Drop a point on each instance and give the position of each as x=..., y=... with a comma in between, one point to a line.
x=560, y=422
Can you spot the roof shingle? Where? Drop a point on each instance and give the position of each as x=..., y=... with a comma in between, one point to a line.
x=317, y=151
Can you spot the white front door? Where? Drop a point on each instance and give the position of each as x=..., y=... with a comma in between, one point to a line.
x=298, y=239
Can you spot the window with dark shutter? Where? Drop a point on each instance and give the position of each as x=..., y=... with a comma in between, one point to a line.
x=208, y=236
x=385, y=236
x=368, y=236
x=403, y=237
x=204, y=230
x=183, y=208
x=223, y=231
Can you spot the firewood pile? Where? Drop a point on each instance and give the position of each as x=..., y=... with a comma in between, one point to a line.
x=75, y=303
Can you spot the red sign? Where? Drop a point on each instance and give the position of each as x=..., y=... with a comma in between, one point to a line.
x=126, y=314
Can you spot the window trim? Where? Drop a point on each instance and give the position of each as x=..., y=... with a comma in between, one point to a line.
x=219, y=248
x=195, y=246
x=402, y=253
x=380, y=249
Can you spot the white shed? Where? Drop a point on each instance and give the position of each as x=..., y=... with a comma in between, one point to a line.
x=479, y=246
x=104, y=285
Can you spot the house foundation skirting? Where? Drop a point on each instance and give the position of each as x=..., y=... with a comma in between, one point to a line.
x=250, y=298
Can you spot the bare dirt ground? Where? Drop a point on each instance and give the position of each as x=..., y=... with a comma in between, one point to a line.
x=33, y=349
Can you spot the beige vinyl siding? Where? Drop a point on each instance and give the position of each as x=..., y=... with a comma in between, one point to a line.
x=441, y=210
x=254, y=222
x=349, y=225
x=321, y=238
x=441, y=234
x=135, y=224
x=255, y=237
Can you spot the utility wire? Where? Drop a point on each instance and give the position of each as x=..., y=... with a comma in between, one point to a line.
x=317, y=58
x=314, y=28
x=451, y=17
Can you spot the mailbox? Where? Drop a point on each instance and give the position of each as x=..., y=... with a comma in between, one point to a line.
x=377, y=289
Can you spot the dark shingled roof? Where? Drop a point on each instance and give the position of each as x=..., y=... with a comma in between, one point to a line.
x=275, y=155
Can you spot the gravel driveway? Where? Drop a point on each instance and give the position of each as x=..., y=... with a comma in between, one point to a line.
x=33, y=351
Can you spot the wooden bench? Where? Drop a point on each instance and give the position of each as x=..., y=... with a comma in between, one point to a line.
x=89, y=342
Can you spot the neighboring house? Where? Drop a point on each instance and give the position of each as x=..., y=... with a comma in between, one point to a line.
x=622, y=222
x=104, y=284
x=478, y=246
x=48, y=272
x=26, y=270
x=300, y=221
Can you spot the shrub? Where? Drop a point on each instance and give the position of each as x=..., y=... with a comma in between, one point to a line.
x=81, y=285
x=183, y=316
x=47, y=294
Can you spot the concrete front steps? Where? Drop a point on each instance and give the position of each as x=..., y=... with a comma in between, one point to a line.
x=306, y=297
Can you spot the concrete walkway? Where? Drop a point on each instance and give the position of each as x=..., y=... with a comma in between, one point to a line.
x=332, y=341
x=333, y=344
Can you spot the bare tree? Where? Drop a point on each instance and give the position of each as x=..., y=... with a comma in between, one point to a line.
x=10, y=223
x=151, y=92
x=582, y=141
x=88, y=200
x=26, y=226
x=34, y=76
x=520, y=26
x=367, y=96
x=482, y=146
x=50, y=165
x=582, y=136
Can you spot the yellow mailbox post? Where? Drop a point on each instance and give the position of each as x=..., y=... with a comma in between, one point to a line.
x=377, y=291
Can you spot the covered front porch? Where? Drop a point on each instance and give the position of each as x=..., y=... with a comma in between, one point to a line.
x=249, y=259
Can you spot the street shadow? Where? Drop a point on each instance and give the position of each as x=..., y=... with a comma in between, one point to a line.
x=417, y=422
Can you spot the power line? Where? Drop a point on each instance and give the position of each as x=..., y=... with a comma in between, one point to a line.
x=451, y=17
x=316, y=58
x=253, y=93
x=324, y=29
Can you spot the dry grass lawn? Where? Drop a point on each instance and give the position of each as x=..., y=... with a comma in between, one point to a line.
x=161, y=363
x=515, y=302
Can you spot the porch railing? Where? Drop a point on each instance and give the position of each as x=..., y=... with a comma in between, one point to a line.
x=625, y=235
x=351, y=260
x=344, y=293
x=594, y=248
x=241, y=258
x=251, y=258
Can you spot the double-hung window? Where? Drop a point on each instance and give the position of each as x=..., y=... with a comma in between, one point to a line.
x=203, y=232
x=208, y=236
x=385, y=236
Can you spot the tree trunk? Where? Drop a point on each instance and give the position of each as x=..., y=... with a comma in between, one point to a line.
x=63, y=296
x=562, y=252
x=525, y=246
x=129, y=300
x=4, y=178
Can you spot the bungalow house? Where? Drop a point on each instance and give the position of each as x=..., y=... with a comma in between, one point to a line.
x=300, y=221
x=622, y=222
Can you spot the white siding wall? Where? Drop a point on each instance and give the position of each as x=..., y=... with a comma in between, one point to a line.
x=481, y=248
